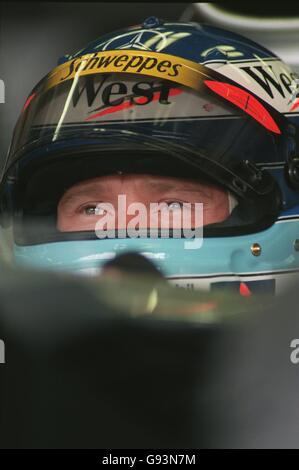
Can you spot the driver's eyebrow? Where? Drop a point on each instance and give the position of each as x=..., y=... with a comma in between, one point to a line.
x=171, y=184
x=87, y=191
x=166, y=186
x=102, y=189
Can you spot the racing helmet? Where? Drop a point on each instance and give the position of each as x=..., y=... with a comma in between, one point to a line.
x=163, y=98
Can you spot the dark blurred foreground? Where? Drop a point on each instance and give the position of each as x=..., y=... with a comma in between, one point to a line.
x=110, y=364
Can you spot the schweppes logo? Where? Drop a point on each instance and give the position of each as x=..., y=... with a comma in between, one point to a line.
x=179, y=70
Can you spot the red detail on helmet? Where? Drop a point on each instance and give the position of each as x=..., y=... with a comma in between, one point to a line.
x=244, y=290
x=295, y=105
x=28, y=101
x=128, y=104
x=246, y=102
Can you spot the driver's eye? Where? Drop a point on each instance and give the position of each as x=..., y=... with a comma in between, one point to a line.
x=175, y=205
x=94, y=210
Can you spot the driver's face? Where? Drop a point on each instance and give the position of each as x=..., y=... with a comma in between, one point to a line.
x=77, y=207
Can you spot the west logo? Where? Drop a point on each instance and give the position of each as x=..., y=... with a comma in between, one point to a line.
x=106, y=93
x=270, y=81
